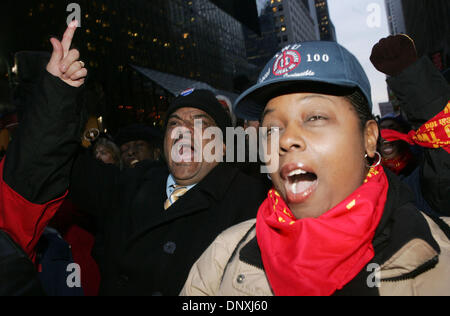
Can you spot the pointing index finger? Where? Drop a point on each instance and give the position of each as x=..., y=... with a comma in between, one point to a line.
x=68, y=36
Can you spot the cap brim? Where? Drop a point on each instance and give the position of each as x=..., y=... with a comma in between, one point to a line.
x=250, y=104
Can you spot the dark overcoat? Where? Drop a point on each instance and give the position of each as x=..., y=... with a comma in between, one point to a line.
x=147, y=250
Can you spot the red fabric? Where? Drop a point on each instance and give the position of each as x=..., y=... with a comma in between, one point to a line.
x=82, y=242
x=69, y=221
x=9, y=121
x=23, y=220
x=433, y=134
x=317, y=256
x=397, y=165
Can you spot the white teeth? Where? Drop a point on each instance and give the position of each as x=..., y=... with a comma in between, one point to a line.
x=297, y=172
x=134, y=162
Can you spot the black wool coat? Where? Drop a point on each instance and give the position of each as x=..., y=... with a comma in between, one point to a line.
x=147, y=250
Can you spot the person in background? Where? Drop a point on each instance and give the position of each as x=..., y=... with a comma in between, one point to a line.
x=138, y=143
x=424, y=95
x=397, y=155
x=107, y=151
x=32, y=192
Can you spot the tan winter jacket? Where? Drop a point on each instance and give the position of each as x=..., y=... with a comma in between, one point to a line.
x=415, y=269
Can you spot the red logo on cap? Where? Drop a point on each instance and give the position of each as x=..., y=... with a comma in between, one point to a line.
x=286, y=62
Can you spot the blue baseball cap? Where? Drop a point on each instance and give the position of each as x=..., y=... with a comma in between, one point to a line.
x=318, y=67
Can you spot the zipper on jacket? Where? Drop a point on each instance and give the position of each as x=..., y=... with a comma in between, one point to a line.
x=427, y=266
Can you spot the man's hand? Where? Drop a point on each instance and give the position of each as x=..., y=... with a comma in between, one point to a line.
x=64, y=62
x=394, y=54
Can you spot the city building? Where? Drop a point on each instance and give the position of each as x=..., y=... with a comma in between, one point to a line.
x=326, y=26
x=310, y=5
x=396, y=21
x=261, y=47
x=245, y=11
x=427, y=22
x=193, y=39
x=293, y=21
x=282, y=22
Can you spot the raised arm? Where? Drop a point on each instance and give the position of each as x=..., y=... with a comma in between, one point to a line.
x=34, y=175
x=424, y=93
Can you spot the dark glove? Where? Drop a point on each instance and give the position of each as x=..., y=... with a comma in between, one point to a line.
x=394, y=54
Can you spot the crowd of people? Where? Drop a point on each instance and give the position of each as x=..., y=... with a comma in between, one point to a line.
x=137, y=215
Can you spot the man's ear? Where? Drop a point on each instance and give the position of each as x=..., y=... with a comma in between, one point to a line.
x=371, y=134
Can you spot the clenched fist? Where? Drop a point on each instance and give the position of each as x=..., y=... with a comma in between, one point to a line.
x=394, y=54
x=64, y=62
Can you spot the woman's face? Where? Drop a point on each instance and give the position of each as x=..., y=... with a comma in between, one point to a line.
x=321, y=150
x=104, y=154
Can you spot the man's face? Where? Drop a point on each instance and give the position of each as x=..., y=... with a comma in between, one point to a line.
x=134, y=152
x=185, y=160
x=392, y=150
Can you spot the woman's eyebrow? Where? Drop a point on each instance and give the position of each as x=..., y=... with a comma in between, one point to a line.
x=313, y=96
x=266, y=112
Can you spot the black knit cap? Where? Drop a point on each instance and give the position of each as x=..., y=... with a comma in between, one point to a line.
x=204, y=100
x=137, y=132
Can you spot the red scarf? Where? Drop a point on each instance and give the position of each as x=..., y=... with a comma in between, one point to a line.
x=433, y=134
x=396, y=165
x=317, y=256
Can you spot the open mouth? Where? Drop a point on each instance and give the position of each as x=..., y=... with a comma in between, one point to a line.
x=184, y=153
x=387, y=148
x=299, y=183
x=134, y=162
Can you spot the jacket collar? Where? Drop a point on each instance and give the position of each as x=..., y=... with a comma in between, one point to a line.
x=401, y=223
x=151, y=211
x=216, y=183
